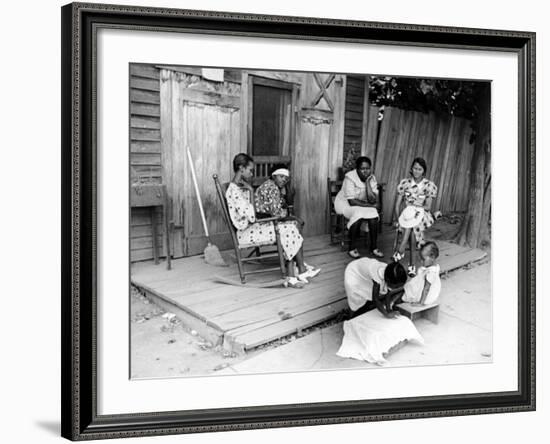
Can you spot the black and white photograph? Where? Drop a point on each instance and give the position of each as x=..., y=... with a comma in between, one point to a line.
x=285, y=221
x=275, y=222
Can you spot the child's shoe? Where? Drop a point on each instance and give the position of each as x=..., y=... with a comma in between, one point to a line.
x=397, y=256
x=411, y=271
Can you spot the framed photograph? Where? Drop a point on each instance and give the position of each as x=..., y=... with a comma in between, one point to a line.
x=275, y=221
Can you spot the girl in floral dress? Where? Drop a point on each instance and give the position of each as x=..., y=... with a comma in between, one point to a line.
x=251, y=232
x=418, y=192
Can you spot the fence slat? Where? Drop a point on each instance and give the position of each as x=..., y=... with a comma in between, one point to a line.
x=443, y=141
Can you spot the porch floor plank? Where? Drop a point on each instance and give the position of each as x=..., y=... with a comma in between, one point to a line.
x=271, y=332
x=245, y=317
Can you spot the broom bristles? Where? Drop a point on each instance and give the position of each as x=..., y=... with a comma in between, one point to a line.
x=212, y=256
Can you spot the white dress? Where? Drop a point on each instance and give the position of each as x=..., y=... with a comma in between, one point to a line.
x=354, y=188
x=413, y=288
x=371, y=336
x=359, y=279
x=251, y=233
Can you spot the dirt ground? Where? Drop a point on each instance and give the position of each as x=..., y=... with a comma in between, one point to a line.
x=162, y=347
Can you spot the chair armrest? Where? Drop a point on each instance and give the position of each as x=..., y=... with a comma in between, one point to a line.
x=270, y=219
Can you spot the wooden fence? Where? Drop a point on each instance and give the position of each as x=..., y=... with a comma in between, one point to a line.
x=443, y=141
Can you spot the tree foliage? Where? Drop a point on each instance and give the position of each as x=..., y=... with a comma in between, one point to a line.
x=455, y=97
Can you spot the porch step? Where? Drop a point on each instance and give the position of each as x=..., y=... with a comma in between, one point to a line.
x=243, y=342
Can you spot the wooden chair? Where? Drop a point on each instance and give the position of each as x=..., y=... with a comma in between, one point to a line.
x=257, y=252
x=337, y=223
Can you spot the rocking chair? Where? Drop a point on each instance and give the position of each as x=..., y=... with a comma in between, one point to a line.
x=256, y=254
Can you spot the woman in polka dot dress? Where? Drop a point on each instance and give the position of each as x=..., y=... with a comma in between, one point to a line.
x=251, y=232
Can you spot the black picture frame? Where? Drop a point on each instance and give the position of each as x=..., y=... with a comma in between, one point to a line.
x=79, y=317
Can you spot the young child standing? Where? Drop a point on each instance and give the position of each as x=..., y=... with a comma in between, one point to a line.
x=425, y=287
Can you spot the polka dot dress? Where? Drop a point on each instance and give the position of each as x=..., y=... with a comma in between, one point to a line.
x=251, y=233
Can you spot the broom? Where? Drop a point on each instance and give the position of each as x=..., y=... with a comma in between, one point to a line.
x=212, y=255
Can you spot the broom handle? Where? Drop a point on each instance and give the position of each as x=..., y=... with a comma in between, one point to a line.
x=197, y=191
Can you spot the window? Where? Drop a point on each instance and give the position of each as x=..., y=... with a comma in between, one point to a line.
x=270, y=117
x=271, y=111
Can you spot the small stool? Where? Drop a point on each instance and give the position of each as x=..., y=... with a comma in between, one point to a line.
x=413, y=312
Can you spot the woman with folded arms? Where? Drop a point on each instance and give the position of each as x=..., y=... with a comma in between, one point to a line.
x=358, y=202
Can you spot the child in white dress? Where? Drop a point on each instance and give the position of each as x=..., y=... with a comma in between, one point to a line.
x=425, y=287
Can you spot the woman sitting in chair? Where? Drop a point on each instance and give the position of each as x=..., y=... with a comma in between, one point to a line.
x=250, y=231
x=271, y=197
x=357, y=201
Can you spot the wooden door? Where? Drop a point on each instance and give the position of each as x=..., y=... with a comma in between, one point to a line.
x=319, y=147
x=205, y=116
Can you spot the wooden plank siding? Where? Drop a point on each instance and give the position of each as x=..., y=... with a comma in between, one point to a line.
x=205, y=116
x=145, y=155
x=354, y=117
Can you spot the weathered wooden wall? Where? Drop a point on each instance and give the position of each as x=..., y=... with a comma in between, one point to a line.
x=145, y=157
x=354, y=119
x=212, y=118
x=206, y=117
x=443, y=141
x=319, y=148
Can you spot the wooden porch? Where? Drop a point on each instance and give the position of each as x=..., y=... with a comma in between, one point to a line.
x=243, y=318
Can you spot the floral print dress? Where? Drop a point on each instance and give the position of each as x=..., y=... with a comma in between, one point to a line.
x=416, y=194
x=269, y=200
x=250, y=232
